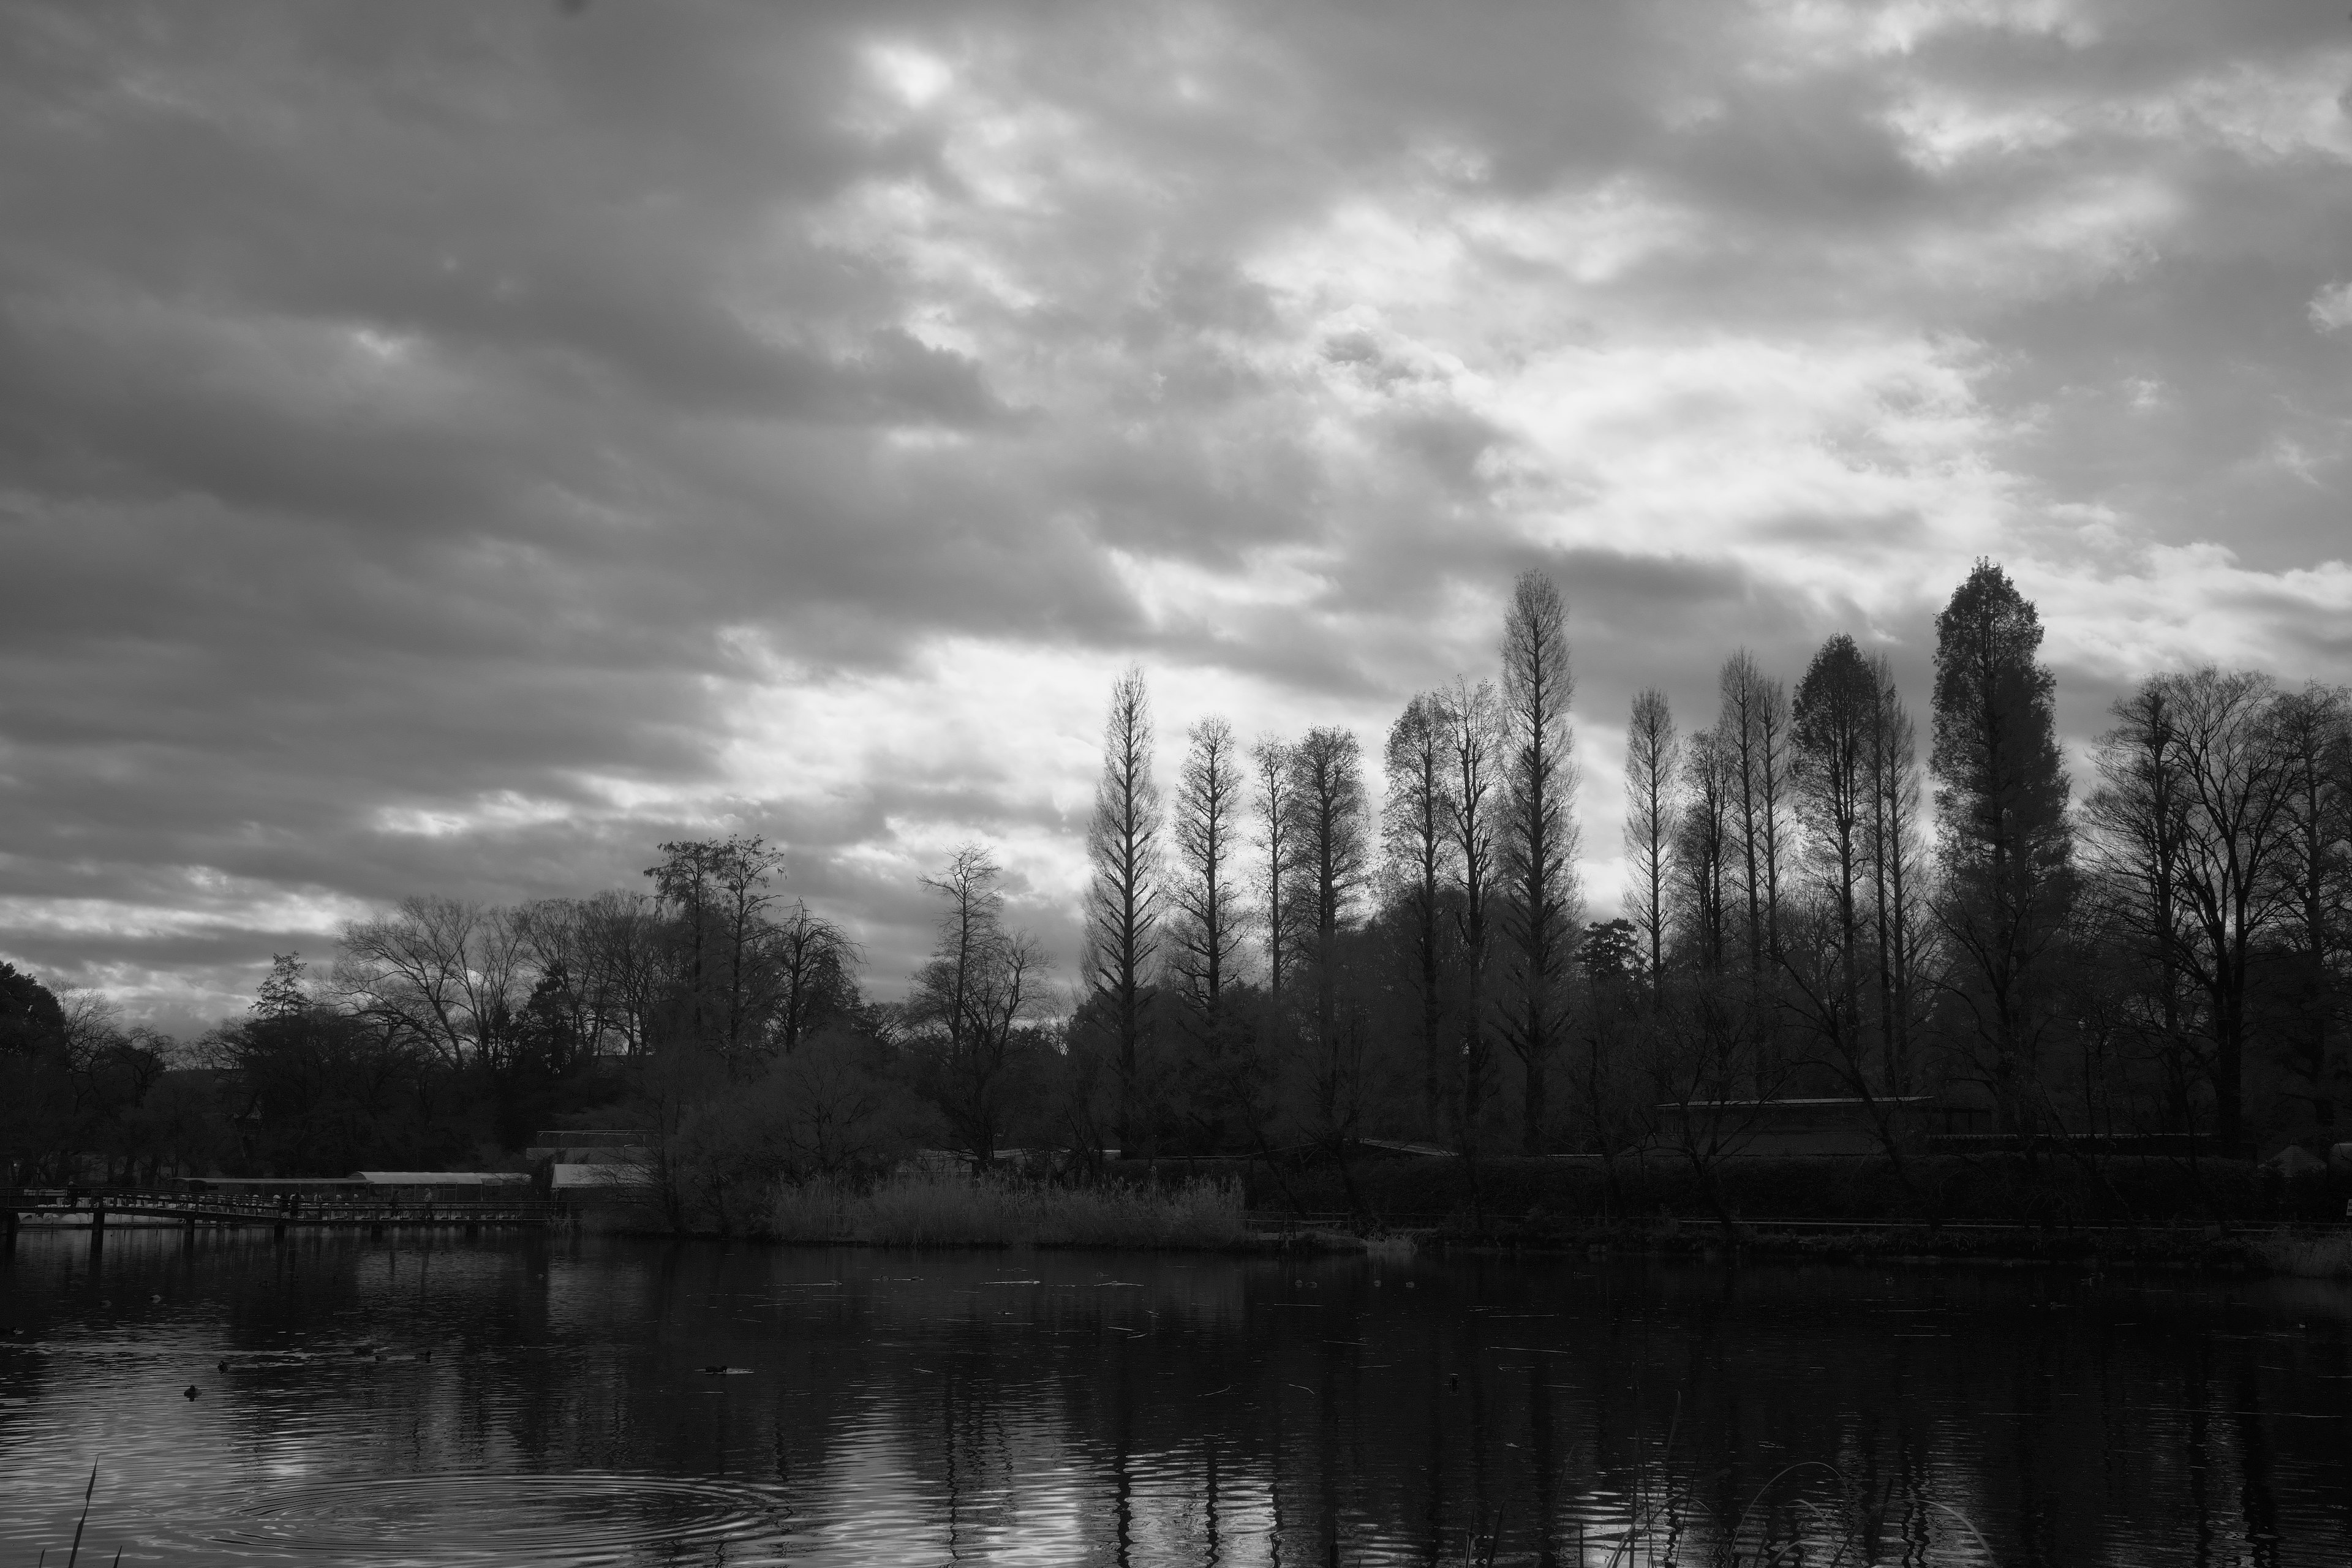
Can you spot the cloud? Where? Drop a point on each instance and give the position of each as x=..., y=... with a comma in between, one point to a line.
x=2331, y=307
x=454, y=451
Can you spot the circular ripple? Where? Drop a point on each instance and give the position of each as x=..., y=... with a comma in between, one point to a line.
x=574, y=1518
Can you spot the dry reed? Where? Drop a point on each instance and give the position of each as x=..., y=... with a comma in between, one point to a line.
x=937, y=1210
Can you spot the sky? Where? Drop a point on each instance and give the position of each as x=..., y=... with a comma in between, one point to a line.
x=453, y=448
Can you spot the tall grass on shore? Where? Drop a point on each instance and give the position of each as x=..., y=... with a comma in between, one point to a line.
x=938, y=1210
x=2303, y=1255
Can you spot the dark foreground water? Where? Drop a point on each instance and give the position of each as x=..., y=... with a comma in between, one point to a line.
x=552, y=1401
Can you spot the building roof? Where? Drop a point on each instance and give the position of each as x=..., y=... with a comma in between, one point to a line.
x=280, y=1181
x=599, y=1175
x=1815, y=1103
x=441, y=1178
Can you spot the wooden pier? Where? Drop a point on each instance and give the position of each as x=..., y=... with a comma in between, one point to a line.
x=94, y=1206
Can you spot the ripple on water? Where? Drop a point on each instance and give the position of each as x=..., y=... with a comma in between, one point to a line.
x=575, y=1519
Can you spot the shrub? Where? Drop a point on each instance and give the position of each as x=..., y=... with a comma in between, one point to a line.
x=942, y=1210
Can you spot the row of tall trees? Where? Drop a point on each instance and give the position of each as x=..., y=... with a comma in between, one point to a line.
x=1276, y=885
x=1812, y=909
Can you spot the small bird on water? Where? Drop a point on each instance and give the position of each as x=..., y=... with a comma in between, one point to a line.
x=224, y=1365
x=192, y=1391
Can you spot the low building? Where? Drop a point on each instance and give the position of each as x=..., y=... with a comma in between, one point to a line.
x=587, y=1163
x=375, y=1186
x=446, y=1186
x=337, y=1187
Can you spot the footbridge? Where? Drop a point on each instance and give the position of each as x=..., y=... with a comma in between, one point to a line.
x=92, y=1207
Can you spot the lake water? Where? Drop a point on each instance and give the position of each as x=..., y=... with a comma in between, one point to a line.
x=549, y=1402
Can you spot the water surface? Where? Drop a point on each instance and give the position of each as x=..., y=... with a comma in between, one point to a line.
x=576, y=1402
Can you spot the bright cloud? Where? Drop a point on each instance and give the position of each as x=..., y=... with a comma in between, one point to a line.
x=457, y=463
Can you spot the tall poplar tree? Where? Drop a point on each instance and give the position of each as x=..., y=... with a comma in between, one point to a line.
x=1270, y=768
x=1123, y=900
x=1206, y=932
x=1327, y=808
x=1896, y=874
x=1541, y=908
x=1473, y=749
x=1703, y=847
x=1751, y=734
x=1653, y=803
x=2313, y=731
x=1415, y=832
x=1836, y=712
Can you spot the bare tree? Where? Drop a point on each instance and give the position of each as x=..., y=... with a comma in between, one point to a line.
x=563, y=1020
x=812, y=960
x=683, y=886
x=1835, y=714
x=443, y=972
x=1705, y=844
x=1897, y=873
x=1653, y=816
x=1270, y=762
x=620, y=937
x=1475, y=744
x=2134, y=850
x=1542, y=911
x=1752, y=733
x=1207, y=929
x=2231, y=836
x=982, y=982
x=1123, y=900
x=740, y=874
x=1416, y=832
x=2313, y=731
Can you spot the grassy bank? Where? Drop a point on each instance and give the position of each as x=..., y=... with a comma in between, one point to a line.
x=2297, y=1252
x=915, y=1210
x=2214, y=1216
x=1510, y=1194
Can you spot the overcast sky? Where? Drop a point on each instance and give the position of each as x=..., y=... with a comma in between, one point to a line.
x=454, y=447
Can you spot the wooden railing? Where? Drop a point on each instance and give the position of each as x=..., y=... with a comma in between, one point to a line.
x=240, y=1208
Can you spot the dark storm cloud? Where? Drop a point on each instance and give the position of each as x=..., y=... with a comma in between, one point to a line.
x=454, y=447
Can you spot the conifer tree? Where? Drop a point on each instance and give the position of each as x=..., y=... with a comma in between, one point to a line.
x=1124, y=897
x=2007, y=848
x=1542, y=911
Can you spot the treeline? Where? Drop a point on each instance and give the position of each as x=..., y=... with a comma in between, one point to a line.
x=1813, y=909
x=81, y=1095
x=442, y=1035
x=1818, y=904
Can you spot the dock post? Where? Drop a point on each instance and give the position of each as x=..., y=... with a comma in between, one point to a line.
x=97, y=1222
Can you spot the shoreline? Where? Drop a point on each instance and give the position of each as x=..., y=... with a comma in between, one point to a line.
x=2308, y=1252
x=2277, y=1251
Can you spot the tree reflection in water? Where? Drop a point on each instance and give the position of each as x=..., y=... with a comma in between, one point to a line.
x=1116, y=1409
